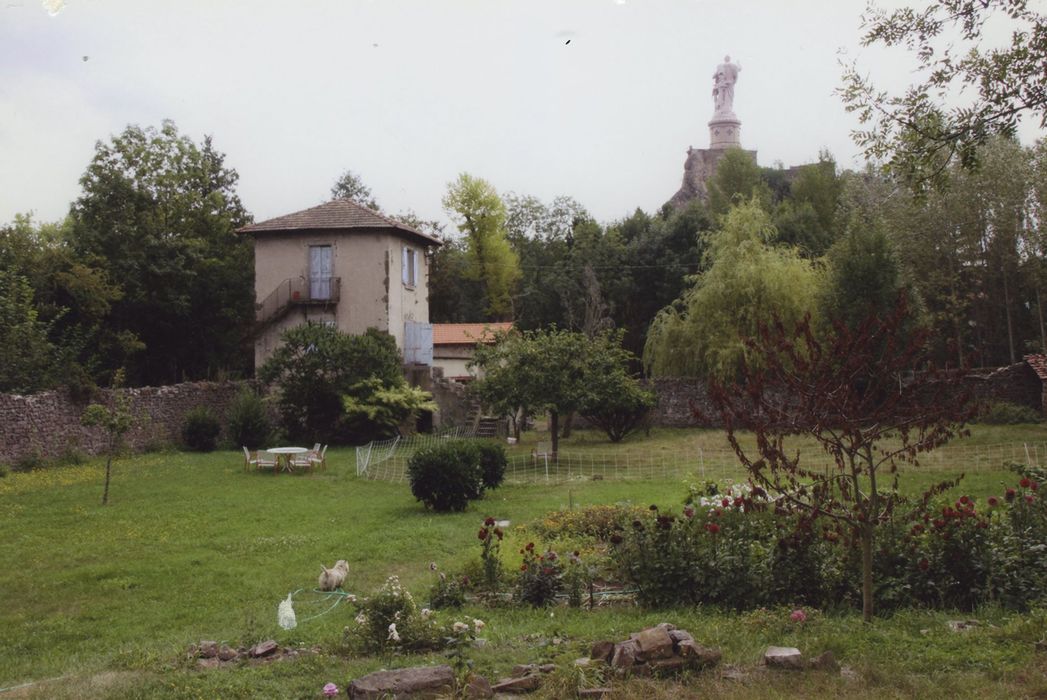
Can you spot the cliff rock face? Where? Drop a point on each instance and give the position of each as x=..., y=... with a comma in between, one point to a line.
x=697, y=169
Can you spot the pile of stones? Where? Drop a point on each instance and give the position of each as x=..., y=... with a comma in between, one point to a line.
x=210, y=654
x=658, y=649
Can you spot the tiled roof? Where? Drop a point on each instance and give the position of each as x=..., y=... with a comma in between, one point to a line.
x=338, y=213
x=1038, y=364
x=466, y=333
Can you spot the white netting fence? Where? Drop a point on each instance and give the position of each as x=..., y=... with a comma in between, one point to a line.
x=387, y=461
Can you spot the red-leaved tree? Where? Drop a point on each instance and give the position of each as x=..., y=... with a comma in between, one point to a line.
x=867, y=395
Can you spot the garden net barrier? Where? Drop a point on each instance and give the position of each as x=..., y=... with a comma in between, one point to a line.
x=387, y=461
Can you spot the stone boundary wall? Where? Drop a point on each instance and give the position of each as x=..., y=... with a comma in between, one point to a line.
x=48, y=423
x=1017, y=383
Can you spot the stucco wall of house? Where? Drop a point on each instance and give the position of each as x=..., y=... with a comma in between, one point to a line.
x=372, y=293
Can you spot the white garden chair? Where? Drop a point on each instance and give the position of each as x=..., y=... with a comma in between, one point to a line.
x=258, y=461
x=319, y=457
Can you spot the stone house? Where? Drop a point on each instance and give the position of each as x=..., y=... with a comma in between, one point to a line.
x=343, y=264
x=454, y=343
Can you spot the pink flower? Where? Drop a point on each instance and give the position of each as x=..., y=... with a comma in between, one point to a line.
x=330, y=690
x=798, y=616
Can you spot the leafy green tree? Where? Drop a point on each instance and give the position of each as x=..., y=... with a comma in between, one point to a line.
x=350, y=186
x=864, y=276
x=453, y=296
x=553, y=370
x=115, y=418
x=29, y=355
x=737, y=179
x=915, y=132
x=157, y=216
x=477, y=211
x=747, y=283
x=316, y=366
x=71, y=298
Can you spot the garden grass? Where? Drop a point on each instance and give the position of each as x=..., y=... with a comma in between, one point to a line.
x=107, y=599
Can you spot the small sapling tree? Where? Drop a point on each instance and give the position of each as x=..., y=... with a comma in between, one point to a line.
x=866, y=395
x=115, y=419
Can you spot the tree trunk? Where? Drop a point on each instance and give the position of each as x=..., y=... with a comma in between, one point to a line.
x=1039, y=308
x=867, y=572
x=1007, y=309
x=108, y=471
x=554, y=434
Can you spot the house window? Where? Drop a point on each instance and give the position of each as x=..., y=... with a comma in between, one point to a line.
x=410, y=267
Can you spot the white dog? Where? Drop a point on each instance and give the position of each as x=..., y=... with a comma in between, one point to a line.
x=333, y=578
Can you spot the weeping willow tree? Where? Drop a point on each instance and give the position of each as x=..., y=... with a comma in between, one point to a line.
x=748, y=282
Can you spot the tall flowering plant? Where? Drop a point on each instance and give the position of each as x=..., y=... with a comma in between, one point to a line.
x=490, y=536
x=541, y=577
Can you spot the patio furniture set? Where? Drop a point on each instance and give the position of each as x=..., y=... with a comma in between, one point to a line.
x=286, y=459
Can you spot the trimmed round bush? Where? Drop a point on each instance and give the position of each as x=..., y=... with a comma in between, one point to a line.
x=446, y=477
x=247, y=420
x=200, y=429
x=492, y=464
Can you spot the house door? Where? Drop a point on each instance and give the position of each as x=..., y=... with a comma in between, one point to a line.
x=319, y=272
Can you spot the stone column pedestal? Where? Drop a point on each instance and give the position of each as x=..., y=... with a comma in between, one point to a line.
x=725, y=132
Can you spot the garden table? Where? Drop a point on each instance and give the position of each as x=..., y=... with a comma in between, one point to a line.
x=284, y=453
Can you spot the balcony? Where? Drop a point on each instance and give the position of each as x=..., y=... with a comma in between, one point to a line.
x=297, y=292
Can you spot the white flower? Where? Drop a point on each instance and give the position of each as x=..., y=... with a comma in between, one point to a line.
x=361, y=619
x=478, y=624
x=393, y=636
x=351, y=598
x=396, y=616
x=426, y=613
x=460, y=627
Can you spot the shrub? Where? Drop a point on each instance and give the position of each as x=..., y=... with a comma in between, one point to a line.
x=541, y=577
x=492, y=464
x=247, y=420
x=1007, y=413
x=29, y=461
x=390, y=620
x=446, y=477
x=446, y=593
x=200, y=429
x=597, y=522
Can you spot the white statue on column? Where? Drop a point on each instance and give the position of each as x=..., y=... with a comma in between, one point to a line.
x=724, y=78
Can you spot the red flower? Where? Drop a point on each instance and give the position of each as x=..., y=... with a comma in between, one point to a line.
x=713, y=528
x=1033, y=485
x=523, y=567
x=924, y=564
x=965, y=500
x=1009, y=495
x=616, y=538
x=1025, y=483
x=551, y=556
x=482, y=534
x=489, y=521
x=993, y=501
x=725, y=502
x=530, y=546
x=688, y=511
x=1028, y=498
x=738, y=502
x=547, y=571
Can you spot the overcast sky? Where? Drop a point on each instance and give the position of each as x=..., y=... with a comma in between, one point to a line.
x=596, y=99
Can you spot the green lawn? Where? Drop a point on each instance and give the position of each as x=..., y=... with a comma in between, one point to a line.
x=191, y=547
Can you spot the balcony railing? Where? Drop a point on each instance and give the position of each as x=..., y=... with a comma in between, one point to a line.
x=297, y=291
